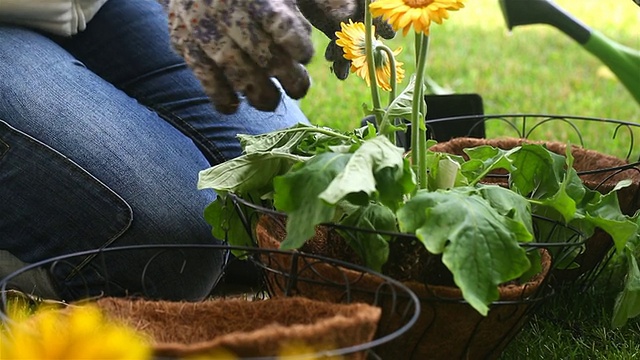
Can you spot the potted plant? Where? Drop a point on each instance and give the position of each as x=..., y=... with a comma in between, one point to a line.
x=598, y=171
x=362, y=179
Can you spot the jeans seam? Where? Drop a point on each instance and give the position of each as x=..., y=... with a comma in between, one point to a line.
x=205, y=145
x=184, y=126
x=170, y=116
x=87, y=176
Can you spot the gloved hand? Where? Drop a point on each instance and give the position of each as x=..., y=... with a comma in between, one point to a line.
x=326, y=16
x=238, y=45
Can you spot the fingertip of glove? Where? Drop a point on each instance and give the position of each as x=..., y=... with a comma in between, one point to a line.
x=306, y=58
x=227, y=109
x=263, y=99
x=384, y=29
x=341, y=69
x=299, y=89
x=333, y=52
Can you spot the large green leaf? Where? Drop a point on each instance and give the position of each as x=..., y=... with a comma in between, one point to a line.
x=537, y=171
x=508, y=203
x=479, y=245
x=394, y=185
x=371, y=246
x=603, y=211
x=247, y=172
x=358, y=176
x=297, y=193
x=300, y=139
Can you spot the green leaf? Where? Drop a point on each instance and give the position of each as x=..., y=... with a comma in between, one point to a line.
x=536, y=170
x=603, y=211
x=247, y=173
x=484, y=159
x=479, y=245
x=447, y=174
x=627, y=303
x=444, y=171
x=402, y=105
x=393, y=185
x=297, y=193
x=508, y=203
x=570, y=192
x=300, y=139
x=226, y=223
x=371, y=246
x=359, y=175
x=286, y=140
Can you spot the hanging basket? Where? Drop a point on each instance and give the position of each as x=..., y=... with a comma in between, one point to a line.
x=252, y=324
x=610, y=157
x=598, y=172
x=246, y=329
x=448, y=327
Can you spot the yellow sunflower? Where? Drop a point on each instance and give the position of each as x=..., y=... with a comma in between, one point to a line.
x=79, y=333
x=402, y=14
x=352, y=41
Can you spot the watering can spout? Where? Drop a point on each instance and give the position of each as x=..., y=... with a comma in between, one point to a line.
x=528, y=12
x=622, y=60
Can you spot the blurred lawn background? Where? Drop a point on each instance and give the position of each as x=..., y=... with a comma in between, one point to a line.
x=534, y=69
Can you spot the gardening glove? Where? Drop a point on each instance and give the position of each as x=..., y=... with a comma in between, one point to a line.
x=237, y=46
x=326, y=16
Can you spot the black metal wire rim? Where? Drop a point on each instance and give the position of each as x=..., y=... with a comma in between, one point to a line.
x=538, y=296
x=542, y=118
x=578, y=233
x=327, y=353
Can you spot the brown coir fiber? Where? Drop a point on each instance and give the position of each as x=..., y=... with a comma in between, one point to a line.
x=447, y=328
x=245, y=328
x=602, y=176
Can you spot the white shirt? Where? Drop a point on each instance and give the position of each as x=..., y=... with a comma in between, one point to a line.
x=60, y=17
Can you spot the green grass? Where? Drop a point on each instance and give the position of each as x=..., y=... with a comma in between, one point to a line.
x=534, y=69
x=575, y=324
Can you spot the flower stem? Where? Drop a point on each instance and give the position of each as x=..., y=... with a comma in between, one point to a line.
x=368, y=46
x=419, y=130
x=383, y=125
x=394, y=76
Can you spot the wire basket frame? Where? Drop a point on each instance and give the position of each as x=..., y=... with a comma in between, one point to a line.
x=564, y=242
x=480, y=339
x=533, y=126
x=400, y=306
x=620, y=135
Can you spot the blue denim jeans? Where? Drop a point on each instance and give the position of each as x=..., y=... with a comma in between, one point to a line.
x=102, y=136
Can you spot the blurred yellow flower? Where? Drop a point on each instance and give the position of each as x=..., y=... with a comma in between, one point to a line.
x=80, y=332
x=402, y=14
x=352, y=41
x=290, y=350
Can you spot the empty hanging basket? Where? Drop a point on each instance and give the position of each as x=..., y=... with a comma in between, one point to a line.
x=248, y=329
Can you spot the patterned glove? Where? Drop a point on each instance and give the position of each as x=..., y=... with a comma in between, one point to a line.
x=326, y=16
x=236, y=46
